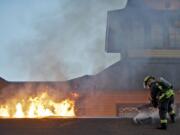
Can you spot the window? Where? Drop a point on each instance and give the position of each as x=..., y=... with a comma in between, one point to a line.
x=174, y=31
x=156, y=36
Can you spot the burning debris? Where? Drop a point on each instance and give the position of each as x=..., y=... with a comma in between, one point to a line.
x=41, y=105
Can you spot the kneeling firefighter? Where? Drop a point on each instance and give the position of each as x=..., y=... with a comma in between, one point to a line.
x=162, y=96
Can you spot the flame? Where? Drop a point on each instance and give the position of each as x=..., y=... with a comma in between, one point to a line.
x=19, y=112
x=39, y=106
x=4, y=111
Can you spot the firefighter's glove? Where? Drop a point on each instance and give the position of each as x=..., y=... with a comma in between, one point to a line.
x=154, y=103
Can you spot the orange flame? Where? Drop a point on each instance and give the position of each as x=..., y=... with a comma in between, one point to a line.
x=39, y=106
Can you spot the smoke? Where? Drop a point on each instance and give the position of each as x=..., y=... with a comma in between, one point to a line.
x=146, y=117
x=26, y=90
x=142, y=33
x=68, y=42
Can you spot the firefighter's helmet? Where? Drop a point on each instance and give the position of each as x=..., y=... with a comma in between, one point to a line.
x=146, y=79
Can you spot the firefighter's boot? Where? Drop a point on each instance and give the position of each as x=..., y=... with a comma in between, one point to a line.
x=172, y=117
x=163, y=126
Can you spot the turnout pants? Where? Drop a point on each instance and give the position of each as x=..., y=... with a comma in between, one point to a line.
x=166, y=106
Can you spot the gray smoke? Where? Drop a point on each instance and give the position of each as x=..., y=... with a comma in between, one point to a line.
x=69, y=41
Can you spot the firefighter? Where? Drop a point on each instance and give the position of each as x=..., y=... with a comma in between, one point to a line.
x=161, y=96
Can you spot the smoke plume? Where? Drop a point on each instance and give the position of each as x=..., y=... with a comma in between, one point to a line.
x=69, y=42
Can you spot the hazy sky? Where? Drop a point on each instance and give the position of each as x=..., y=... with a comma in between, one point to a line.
x=54, y=39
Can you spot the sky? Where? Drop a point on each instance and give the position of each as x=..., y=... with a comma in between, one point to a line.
x=54, y=40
